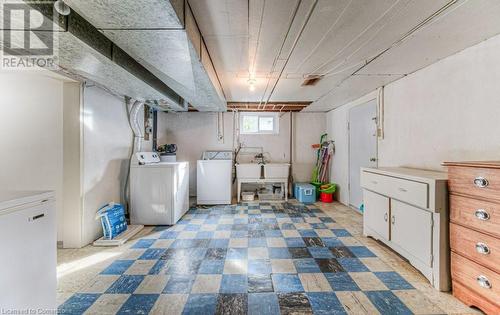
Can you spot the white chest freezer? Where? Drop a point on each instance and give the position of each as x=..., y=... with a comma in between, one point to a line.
x=28, y=247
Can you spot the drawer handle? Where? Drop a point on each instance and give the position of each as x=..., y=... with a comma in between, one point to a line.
x=480, y=182
x=484, y=282
x=374, y=182
x=385, y=217
x=402, y=189
x=482, y=248
x=393, y=219
x=482, y=215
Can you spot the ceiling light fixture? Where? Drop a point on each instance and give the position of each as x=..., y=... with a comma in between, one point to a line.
x=62, y=8
x=251, y=84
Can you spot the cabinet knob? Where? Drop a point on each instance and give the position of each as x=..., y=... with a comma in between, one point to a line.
x=484, y=282
x=480, y=182
x=482, y=248
x=385, y=217
x=482, y=215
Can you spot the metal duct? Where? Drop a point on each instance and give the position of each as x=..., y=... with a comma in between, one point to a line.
x=79, y=28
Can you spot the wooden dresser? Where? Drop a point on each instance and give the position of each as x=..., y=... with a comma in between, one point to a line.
x=475, y=233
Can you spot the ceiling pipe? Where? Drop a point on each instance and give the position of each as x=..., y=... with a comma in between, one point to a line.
x=308, y=17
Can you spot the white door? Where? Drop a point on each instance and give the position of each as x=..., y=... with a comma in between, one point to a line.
x=362, y=146
x=411, y=229
x=376, y=215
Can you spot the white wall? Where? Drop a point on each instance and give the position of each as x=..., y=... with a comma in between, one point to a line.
x=107, y=145
x=31, y=134
x=197, y=132
x=447, y=111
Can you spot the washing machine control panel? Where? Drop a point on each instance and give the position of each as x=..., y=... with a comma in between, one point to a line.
x=147, y=157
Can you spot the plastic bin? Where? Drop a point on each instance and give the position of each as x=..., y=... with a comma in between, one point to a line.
x=248, y=196
x=305, y=193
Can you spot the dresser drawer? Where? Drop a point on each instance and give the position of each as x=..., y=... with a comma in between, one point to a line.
x=479, y=247
x=409, y=191
x=477, y=214
x=477, y=278
x=475, y=181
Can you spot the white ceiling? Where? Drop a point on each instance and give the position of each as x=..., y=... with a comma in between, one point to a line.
x=355, y=44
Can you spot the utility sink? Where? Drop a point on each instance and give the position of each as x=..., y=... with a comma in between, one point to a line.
x=276, y=170
x=248, y=170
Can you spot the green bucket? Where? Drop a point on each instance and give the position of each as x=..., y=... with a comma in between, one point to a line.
x=317, y=185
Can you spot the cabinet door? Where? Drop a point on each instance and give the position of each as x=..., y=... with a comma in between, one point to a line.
x=411, y=229
x=376, y=214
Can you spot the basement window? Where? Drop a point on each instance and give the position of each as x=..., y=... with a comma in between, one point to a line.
x=259, y=123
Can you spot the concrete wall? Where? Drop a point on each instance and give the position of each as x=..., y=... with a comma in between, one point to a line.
x=447, y=111
x=197, y=132
x=31, y=134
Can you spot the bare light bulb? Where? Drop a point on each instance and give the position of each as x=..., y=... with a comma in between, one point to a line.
x=251, y=84
x=62, y=8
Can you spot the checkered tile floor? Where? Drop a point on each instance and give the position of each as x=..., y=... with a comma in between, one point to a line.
x=243, y=259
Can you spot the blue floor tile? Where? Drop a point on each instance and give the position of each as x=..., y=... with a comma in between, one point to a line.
x=393, y=280
x=306, y=265
x=144, y=243
x=259, y=266
x=179, y=284
x=118, y=267
x=324, y=303
x=273, y=233
x=234, y=284
x=352, y=265
x=279, y=253
x=387, y=303
x=138, y=304
x=320, y=252
x=295, y=242
x=126, y=284
x=219, y=243
x=211, y=267
x=341, y=281
x=308, y=233
x=169, y=235
x=78, y=303
x=192, y=227
x=205, y=234
x=331, y=242
x=361, y=251
x=263, y=304
x=152, y=254
x=287, y=283
x=200, y=304
x=158, y=267
x=341, y=232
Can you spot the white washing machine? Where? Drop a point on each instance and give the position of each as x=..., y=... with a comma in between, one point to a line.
x=214, y=180
x=159, y=191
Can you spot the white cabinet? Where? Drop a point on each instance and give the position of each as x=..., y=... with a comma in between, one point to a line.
x=407, y=210
x=377, y=219
x=411, y=229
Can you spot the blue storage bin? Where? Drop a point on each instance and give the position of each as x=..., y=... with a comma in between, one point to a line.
x=305, y=193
